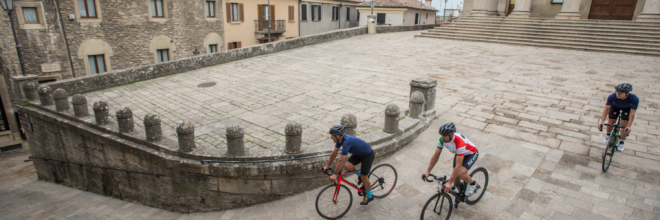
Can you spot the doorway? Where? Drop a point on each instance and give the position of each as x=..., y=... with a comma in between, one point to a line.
x=512, y=4
x=612, y=9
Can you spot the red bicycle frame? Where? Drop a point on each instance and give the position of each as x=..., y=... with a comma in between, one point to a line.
x=340, y=178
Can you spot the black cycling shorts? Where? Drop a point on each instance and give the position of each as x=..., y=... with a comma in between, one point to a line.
x=468, y=160
x=625, y=113
x=366, y=162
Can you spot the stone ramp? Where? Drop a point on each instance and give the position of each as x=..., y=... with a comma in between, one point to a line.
x=641, y=38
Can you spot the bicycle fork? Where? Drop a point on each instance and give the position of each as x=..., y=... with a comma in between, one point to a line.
x=336, y=194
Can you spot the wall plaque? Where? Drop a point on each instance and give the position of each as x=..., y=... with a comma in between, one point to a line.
x=51, y=67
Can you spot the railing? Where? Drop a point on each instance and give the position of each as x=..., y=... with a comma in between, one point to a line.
x=276, y=26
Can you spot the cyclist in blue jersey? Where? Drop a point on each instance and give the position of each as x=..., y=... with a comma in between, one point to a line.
x=625, y=101
x=360, y=151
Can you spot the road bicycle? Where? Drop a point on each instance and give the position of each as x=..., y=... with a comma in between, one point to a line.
x=335, y=200
x=608, y=153
x=440, y=205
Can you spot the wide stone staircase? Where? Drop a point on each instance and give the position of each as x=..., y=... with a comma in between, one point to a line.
x=588, y=35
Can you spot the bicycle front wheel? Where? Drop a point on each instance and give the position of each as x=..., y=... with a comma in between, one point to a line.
x=479, y=175
x=334, y=201
x=608, y=153
x=439, y=206
x=383, y=180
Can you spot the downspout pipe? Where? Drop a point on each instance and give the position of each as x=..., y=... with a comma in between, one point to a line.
x=66, y=42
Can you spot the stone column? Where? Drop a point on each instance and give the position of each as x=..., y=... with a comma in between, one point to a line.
x=293, y=131
x=61, y=100
x=570, y=10
x=479, y=8
x=416, y=105
x=235, y=140
x=349, y=121
x=392, y=113
x=522, y=9
x=80, y=108
x=101, y=111
x=492, y=8
x=426, y=86
x=46, y=95
x=650, y=12
x=185, y=130
x=152, y=127
x=30, y=90
x=125, y=120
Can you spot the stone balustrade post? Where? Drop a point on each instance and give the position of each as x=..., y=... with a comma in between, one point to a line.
x=46, y=95
x=416, y=104
x=349, y=121
x=426, y=86
x=235, y=140
x=570, y=10
x=61, y=100
x=293, y=131
x=392, y=113
x=650, y=12
x=80, y=108
x=101, y=111
x=152, y=127
x=125, y=120
x=185, y=130
x=30, y=90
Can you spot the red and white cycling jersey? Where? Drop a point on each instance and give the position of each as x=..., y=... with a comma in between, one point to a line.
x=460, y=145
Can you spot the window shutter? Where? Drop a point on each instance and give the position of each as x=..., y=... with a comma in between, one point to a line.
x=291, y=13
x=313, y=13
x=303, y=15
x=229, y=45
x=228, y=12
x=319, y=12
x=238, y=44
x=260, y=12
x=272, y=12
x=240, y=12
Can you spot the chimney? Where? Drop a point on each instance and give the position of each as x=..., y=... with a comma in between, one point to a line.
x=428, y=3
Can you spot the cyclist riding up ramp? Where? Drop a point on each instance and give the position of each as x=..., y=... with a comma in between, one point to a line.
x=624, y=101
x=466, y=155
x=360, y=151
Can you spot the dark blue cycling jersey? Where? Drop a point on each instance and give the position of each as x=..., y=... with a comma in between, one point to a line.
x=354, y=145
x=629, y=102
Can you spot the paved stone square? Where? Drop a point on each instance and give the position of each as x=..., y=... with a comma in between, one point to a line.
x=532, y=112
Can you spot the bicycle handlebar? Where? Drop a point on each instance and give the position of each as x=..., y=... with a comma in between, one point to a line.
x=441, y=179
x=615, y=126
x=332, y=171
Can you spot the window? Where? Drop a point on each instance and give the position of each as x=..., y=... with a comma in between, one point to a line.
x=156, y=8
x=427, y=15
x=235, y=12
x=303, y=13
x=335, y=13
x=416, y=18
x=348, y=13
x=213, y=48
x=96, y=64
x=291, y=12
x=557, y=2
x=87, y=8
x=265, y=12
x=210, y=9
x=234, y=45
x=358, y=15
x=163, y=55
x=316, y=12
x=30, y=15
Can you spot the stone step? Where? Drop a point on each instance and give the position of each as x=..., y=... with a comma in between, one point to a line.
x=545, y=44
x=567, y=28
x=616, y=40
x=570, y=25
x=541, y=20
x=562, y=41
x=649, y=36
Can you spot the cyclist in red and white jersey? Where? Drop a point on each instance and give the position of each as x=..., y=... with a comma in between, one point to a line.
x=465, y=156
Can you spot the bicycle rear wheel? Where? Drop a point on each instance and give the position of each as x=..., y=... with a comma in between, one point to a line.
x=479, y=175
x=439, y=206
x=383, y=180
x=334, y=201
x=608, y=153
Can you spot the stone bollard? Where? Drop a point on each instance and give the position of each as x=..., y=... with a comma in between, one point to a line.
x=235, y=140
x=293, y=131
x=125, y=120
x=416, y=104
x=392, y=118
x=152, y=127
x=80, y=105
x=30, y=90
x=426, y=86
x=349, y=121
x=46, y=95
x=185, y=130
x=101, y=111
x=61, y=100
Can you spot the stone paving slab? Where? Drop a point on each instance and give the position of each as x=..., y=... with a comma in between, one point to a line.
x=532, y=112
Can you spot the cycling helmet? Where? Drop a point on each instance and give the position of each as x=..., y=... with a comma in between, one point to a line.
x=337, y=130
x=447, y=129
x=625, y=87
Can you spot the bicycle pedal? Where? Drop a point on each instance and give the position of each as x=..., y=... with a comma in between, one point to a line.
x=363, y=190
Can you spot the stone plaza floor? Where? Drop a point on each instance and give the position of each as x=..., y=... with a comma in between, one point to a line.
x=531, y=112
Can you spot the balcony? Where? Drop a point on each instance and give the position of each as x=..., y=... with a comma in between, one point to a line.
x=276, y=26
